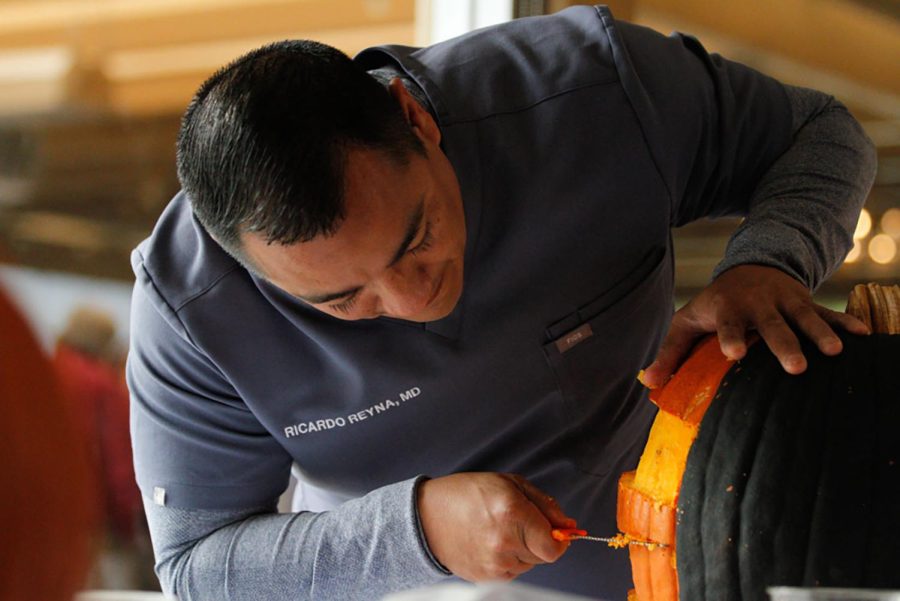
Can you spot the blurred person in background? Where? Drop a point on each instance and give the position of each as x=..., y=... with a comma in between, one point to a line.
x=89, y=363
x=49, y=500
x=418, y=271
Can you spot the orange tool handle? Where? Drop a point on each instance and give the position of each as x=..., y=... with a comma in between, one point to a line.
x=564, y=534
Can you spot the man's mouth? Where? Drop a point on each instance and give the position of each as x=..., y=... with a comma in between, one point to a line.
x=437, y=289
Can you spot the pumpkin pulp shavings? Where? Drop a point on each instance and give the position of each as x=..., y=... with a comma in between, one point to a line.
x=619, y=541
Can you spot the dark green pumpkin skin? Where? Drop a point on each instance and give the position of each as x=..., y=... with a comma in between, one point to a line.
x=795, y=480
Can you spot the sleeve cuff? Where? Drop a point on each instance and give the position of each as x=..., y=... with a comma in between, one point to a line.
x=773, y=245
x=423, y=542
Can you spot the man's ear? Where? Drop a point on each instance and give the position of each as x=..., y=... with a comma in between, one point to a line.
x=417, y=116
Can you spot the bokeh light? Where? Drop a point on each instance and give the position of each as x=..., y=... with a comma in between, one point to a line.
x=890, y=223
x=863, y=226
x=855, y=252
x=882, y=249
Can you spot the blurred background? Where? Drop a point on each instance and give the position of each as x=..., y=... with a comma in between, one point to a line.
x=91, y=93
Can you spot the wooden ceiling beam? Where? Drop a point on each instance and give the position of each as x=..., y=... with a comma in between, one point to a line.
x=94, y=27
x=163, y=80
x=840, y=36
x=150, y=58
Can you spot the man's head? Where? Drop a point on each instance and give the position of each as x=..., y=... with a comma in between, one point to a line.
x=332, y=187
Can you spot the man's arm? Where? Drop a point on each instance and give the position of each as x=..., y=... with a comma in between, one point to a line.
x=728, y=140
x=364, y=549
x=361, y=550
x=804, y=209
x=799, y=229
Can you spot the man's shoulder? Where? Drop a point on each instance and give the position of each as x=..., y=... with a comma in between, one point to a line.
x=509, y=67
x=179, y=261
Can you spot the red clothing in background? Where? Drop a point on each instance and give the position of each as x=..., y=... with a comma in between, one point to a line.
x=98, y=400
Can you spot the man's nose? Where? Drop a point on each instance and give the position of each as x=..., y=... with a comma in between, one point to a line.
x=405, y=290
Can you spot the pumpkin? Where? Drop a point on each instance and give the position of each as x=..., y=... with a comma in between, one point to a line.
x=752, y=477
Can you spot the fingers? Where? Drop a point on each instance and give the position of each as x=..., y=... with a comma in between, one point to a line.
x=816, y=322
x=781, y=340
x=811, y=320
x=546, y=504
x=747, y=298
x=538, y=542
x=541, y=515
x=844, y=321
x=485, y=526
x=510, y=569
x=508, y=551
x=732, y=334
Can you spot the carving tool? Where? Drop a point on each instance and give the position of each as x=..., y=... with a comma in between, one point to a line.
x=618, y=541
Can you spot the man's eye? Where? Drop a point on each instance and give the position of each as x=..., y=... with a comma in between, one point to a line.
x=344, y=307
x=425, y=244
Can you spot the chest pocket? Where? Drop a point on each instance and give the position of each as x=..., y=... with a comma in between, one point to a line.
x=595, y=355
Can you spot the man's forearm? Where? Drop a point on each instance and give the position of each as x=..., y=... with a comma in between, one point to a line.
x=805, y=208
x=361, y=550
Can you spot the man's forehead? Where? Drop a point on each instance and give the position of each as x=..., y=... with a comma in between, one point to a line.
x=330, y=267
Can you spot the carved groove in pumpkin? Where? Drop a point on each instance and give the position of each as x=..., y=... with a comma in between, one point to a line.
x=647, y=500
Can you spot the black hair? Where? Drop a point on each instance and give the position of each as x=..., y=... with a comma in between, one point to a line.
x=263, y=144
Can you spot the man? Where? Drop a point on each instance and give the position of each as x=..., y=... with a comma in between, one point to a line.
x=415, y=281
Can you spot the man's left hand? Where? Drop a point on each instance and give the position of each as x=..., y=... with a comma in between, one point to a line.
x=747, y=298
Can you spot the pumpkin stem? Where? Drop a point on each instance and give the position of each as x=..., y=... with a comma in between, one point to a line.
x=876, y=306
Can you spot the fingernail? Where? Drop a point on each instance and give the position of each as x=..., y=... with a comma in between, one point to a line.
x=641, y=377
x=735, y=351
x=794, y=364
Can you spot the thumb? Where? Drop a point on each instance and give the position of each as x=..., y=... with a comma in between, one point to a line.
x=546, y=504
x=678, y=343
x=548, y=515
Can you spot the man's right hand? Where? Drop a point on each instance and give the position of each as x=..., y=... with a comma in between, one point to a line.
x=488, y=526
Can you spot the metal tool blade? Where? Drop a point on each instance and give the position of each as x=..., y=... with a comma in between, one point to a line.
x=618, y=541
x=613, y=540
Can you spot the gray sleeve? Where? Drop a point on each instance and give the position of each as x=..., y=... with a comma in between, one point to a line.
x=804, y=210
x=364, y=549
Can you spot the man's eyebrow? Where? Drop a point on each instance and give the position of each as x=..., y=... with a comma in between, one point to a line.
x=412, y=228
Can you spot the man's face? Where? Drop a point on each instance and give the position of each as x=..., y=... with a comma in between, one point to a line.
x=398, y=252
